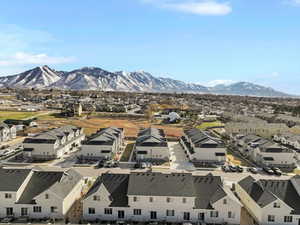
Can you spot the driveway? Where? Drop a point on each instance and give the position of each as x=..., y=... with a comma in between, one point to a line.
x=179, y=161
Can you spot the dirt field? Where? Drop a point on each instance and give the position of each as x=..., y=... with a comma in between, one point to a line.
x=93, y=124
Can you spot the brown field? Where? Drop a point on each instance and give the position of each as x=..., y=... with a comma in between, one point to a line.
x=91, y=125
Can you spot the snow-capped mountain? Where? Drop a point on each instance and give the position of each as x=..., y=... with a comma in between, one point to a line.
x=93, y=78
x=38, y=77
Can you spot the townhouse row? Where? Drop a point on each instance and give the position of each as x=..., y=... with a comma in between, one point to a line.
x=37, y=194
x=265, y=152
x=203, y=147
x=148, y=196
x=54, y=143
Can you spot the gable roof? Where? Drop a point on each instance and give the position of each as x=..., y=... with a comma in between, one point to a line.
x=266, y=191
x=116, y=185
x=206, y=190
x=38, y=183
x=12, y=179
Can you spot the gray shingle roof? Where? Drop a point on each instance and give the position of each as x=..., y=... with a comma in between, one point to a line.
x=265, y=191
x=205, y=189
x=39, y=182
x=12, y=179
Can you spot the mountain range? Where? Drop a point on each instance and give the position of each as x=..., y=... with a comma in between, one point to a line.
x=93, y=78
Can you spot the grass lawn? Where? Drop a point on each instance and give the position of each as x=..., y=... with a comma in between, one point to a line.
x=206, y=125
x=16, y=115
x=127, y=152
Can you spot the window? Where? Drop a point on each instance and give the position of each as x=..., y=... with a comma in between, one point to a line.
x=271, y=218
x=151, y=199
x=184, y=200
x=225, y=201
x=137, y=212
x=37, y=209
x=8, y=195
x=231, y=215
x=168, y=200
x=201, y=216
x=153, y=215
x=46, y=196
x=288, y=219
x=24, y=211
x=214, y=214
x=121, y=214
x=53, y=209
x=9, y=211
x=170, y=212
x=142, y=152
x=91, y=210
x=105, y=151
x=96, y=198
x=135, y=199
x=276, y=205
x=108, y=211
x=186, y=216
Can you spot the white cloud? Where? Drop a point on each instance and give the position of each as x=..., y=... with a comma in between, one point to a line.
x=22, y=58
x=218, y=82
x=199, y=7
x=296, y=2
x=292, y=2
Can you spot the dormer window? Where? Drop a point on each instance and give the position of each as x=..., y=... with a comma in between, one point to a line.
x=8, y=195
x=225, y=201
x=96, y=198
x=276, y=205
x=46, y=196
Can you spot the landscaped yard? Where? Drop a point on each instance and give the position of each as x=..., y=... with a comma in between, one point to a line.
x=127, y=152
x=16, y=115
x=206, y=125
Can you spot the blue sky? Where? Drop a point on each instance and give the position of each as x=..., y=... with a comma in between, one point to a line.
x=203, y=41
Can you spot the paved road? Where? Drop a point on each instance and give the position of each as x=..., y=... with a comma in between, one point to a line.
x=179, y=161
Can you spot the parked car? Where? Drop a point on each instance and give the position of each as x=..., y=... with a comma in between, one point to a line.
x=100, y=164
x=253, y=170
x=268, y=170
x=225, y=168
x=276, y=171
x=239, y=169
x=233, y=168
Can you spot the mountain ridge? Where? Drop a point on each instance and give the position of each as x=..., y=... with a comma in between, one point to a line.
x=95, y=78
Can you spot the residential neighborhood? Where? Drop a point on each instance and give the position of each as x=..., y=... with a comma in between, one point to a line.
x=210, y=165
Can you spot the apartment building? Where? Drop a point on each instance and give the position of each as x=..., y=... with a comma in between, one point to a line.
x=30, y=193
x=158, y=197
x=151, y=145
x=104, y=144
x=7, y=132
x=203, y=147
x=54, y=143
x=269, y=153
x=269, y=201
x=265, y=152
